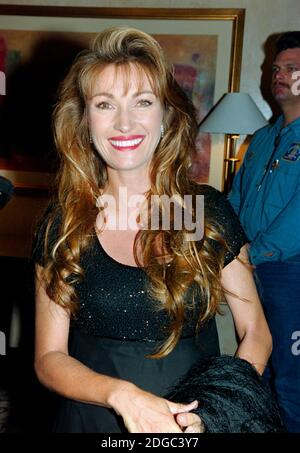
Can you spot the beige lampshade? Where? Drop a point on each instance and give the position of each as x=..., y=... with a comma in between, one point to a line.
x=235, y=113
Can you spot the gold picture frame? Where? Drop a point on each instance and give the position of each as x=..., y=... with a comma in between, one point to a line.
x=25, y=24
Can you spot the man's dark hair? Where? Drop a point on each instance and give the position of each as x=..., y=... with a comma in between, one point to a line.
x=288, y=40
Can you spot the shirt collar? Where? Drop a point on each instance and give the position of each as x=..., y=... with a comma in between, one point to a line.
x=294, y=126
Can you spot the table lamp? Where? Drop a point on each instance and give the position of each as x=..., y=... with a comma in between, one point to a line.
x=234, y=115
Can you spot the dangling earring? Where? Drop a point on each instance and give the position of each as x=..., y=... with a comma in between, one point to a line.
x=162, y=131
x=90, y=138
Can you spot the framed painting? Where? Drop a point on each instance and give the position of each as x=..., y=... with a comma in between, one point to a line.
x=38, y=44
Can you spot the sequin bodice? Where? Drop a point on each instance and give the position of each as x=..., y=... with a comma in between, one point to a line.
x=115, y=301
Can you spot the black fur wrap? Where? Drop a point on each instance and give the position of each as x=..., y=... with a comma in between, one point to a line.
x=232, y=397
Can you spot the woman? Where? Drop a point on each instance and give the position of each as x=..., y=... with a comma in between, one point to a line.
x=123, y=310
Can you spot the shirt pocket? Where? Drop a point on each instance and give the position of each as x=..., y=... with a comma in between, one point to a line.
x=285, y=182
x=289, y=167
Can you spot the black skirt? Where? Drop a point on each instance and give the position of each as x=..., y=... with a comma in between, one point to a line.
x=127, y=360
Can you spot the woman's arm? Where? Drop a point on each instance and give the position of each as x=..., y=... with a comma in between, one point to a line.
x=255, y=338
x=141, y=411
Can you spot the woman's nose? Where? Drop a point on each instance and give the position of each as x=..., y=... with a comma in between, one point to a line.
x=123, y=121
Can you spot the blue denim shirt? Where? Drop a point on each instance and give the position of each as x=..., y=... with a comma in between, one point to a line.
x=268, y=202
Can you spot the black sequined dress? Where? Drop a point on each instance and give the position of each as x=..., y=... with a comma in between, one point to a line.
x=118, y=325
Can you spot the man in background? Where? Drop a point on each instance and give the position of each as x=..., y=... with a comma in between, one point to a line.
x=266, y=197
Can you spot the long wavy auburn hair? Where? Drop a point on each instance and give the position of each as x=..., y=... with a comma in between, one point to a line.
x=172, y=262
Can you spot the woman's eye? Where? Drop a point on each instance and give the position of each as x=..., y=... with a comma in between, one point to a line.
x=103, y=106
x=144, y=103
